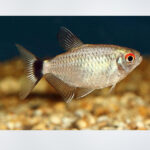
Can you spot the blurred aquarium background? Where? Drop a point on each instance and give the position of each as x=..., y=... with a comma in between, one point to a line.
x=126, y=108
x=39, y=34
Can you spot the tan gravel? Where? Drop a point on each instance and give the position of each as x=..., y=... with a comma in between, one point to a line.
x=127, y=107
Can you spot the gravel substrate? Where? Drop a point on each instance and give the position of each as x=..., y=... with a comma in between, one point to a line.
x=127, y=107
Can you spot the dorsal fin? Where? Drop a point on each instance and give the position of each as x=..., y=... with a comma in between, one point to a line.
x=67, y=39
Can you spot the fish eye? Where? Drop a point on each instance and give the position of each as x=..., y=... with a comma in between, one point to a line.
x=130, y=57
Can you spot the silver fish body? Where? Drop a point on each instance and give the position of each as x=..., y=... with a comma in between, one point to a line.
x=89, y=66
x=83, y=68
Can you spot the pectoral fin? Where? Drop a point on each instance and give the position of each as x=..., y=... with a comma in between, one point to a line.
x=67, y=39
x=113, y=86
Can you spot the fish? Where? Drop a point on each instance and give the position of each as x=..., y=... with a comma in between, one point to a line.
x=81, y=69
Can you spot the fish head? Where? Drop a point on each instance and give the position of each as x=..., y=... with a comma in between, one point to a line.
x=128, y=60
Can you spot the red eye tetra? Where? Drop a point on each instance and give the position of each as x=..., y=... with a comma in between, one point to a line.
x=130, y=57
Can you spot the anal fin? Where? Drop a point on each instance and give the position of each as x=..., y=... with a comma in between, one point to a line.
x=81, y=92
x=66, y=91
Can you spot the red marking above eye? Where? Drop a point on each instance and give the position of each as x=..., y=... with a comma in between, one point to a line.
x=129, y=54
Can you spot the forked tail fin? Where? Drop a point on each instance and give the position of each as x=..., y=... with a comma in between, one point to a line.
x=33, y=70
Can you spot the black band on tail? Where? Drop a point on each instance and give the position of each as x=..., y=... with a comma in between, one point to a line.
x=33, y=69
x=37, y=68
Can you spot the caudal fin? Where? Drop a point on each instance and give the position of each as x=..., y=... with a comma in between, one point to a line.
x=33, y=70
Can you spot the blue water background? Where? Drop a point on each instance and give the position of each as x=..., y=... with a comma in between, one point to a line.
x=38, y=34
